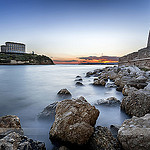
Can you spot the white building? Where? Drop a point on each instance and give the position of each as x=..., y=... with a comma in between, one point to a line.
x=12, y=47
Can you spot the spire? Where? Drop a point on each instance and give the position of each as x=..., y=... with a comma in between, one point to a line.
x=148, y=43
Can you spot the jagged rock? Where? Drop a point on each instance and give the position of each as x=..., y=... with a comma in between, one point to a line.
x=79, y=84
x=48, y=111
x=137, y=103
x=74, y=121
x=108, y=101
x=15, y=141
x=102, y=139
x=64, y=93
x=134, y=133
x=8, y=124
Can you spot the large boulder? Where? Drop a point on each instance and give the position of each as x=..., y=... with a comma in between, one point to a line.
x=102, y=139
x=134, y=133
x=127, y=89
x=99, y=82
x=8, y=124
x=137, y=103
x=48, y=112
x=74, y=121
x=15, y=141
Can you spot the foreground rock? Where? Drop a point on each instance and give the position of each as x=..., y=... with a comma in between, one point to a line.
x=137, y=103
x=64, y=93
x=8, y=124
x=14, y=141
x=102, y=139
x=135, y=133
x=12, y=138
x=48, y=112
x=74, y=121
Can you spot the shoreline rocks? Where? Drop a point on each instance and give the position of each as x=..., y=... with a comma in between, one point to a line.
x=108, y=101
x=74, y=121
x=12, y=137
x=135, y=133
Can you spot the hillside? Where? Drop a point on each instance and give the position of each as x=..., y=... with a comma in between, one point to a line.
x=24, y=59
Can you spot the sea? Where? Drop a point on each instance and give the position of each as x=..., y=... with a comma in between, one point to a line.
x=25, y=90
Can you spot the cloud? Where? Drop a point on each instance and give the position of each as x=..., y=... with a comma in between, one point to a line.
x=108, y=58
x=66, y=60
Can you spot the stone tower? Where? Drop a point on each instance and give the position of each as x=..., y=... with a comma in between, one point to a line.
x=148, y=43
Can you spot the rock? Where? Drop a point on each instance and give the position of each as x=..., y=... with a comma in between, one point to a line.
x=99, y=82
x=79, y=84
x=102, y=139
x=78, y=78
x=15, y=141
x=64, y=93
x=137, y=103
x=126, y=90
x=8, y=124
x=88, y=74
x=63, y=148
x=119, y=89
x=134, y=133
x=108, y=101
x=74, y=121
x=48, y=111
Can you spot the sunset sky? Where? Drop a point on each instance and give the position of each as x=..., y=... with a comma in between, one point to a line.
x=67, y=30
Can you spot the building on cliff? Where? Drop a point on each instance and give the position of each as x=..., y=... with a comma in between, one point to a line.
x=141, y=58
x=12, y=47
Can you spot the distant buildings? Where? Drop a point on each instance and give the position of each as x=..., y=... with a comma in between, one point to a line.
x=12, y=47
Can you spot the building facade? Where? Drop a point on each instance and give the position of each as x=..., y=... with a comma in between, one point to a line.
x=12, y=47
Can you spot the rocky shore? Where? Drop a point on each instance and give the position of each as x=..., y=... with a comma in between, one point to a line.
x=74, y=122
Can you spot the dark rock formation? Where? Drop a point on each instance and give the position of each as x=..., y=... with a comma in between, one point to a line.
x=74, y=121
x=48, y=112
x=134, y=133
x=102, y=139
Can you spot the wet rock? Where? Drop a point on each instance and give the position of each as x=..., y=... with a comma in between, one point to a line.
x=79, y=84
x=48, y=112
x=134, y=133
x=8, y=124
x=15, y=141
x=78, y=78
x=88, y=74
x=110, y=84
x=63, y=148
x=74, y=121
x=64, y=93
x=119, y=89
x=99, y=82
x=108, y=101
x=102, y=139
x=137, y=103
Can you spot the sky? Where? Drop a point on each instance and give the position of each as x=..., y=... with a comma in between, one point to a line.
x=67, y=30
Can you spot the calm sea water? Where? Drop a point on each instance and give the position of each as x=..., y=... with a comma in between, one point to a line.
x=26, y=90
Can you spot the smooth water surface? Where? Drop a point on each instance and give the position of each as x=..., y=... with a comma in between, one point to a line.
x=26, y=90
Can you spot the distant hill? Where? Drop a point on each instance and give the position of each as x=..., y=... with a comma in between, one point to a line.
x=24, y=59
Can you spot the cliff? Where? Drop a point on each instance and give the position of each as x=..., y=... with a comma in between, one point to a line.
x=24, y=59
x=141, y=58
